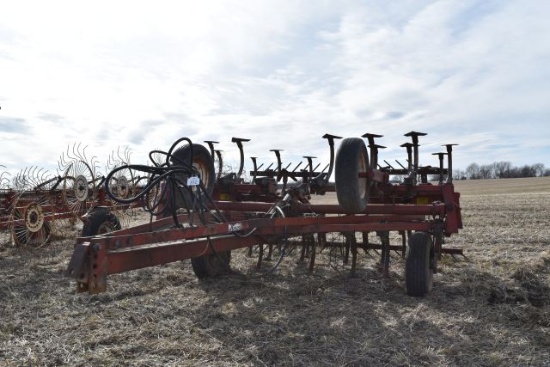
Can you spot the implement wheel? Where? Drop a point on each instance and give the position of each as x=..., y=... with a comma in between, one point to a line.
x=212, y=265
x=351, y=160
x=31, y=220
x=79, y=188
x=203, y=164
x=100, y=221
x=419, y=265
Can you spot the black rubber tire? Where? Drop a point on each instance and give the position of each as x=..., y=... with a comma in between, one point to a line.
x=212, y=265
x=351, y=159
x=419, y=266
x=203, y=162
x=100, y=221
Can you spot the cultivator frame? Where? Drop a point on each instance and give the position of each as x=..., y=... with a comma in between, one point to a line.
x=184, y=193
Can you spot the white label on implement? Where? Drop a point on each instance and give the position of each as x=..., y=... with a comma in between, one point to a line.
x=235, y=227
x=193, y=181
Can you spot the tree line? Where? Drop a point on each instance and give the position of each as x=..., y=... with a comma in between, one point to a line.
x=500, y=170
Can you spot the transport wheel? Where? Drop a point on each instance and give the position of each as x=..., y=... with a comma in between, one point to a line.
x=212, y=265
x=419, y=265
x=203, y=164
x=30, y=220
x=100, y=221
x=351, y=190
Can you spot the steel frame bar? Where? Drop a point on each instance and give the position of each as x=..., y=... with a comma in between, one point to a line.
x=160, y=242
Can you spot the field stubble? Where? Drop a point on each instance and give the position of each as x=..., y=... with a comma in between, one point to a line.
x=489, y=309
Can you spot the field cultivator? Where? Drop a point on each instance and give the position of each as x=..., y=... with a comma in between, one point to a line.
x=201, y=214
x=35, y=204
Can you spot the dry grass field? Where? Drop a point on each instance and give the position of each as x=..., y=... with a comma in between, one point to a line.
x=491, y=308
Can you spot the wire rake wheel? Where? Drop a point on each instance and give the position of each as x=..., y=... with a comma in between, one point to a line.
x=79, y=187
x=153, y=198
x=31, y=220
x=122, y=187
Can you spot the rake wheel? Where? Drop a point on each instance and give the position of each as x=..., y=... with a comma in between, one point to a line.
x=31, y=220
x=122, y=186
x=79, y=187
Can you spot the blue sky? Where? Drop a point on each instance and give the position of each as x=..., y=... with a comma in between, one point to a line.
x=282, y=73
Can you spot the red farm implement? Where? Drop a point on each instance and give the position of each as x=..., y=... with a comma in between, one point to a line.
x=199, y=214
x=34, y=203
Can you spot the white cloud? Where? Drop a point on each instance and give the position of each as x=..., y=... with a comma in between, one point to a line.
x=282, y=73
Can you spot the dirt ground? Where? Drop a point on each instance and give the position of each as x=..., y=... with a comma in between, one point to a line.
x=490, y=308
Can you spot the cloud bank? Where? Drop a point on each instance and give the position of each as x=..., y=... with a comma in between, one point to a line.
x=281, y=73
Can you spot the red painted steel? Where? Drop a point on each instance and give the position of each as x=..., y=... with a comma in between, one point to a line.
x=252, y=214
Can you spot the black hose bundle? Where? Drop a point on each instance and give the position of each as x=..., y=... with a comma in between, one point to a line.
x=182, y=179
x=173, y=184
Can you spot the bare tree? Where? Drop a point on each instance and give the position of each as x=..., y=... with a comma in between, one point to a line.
x=472, y=171
x=539, y=169
x=486, y=171
x=502, y=169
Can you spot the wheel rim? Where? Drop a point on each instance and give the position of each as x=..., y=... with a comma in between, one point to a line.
x=106, y=227
x=31, y=223
x=78, y=187
x=202, y=169
x=34, y=217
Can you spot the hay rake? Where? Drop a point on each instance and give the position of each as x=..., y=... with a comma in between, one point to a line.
x=199, y=214
x=35, y=203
